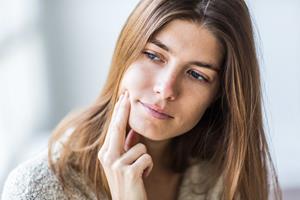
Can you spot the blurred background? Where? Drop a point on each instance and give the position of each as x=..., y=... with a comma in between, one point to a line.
x=54, y=57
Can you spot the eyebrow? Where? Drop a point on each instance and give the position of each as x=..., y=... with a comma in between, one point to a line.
x=158, y=43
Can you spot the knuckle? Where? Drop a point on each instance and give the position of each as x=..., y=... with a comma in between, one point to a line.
x=116, y=165
x=118, y=168
x=142, y=147
x=107, y=159
x=101, y=153
x=147, y=157
x=101, y=157
x=131, y=172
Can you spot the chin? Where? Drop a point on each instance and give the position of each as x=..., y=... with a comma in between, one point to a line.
x=147, y=127
x=148, y=132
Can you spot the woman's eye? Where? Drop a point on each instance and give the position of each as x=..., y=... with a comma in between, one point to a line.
x=196, y=75
x=152, y=56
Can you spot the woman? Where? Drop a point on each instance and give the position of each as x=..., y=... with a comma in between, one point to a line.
x=180, y=115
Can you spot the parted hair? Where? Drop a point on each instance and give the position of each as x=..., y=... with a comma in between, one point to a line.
x=230, y=135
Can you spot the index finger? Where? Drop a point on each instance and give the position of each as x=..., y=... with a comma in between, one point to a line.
x=107, y=137
x=117, y=129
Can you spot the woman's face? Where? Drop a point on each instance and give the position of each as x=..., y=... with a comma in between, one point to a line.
x=174, y=80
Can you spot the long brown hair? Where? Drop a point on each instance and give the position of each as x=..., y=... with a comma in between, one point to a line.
x=230, y=134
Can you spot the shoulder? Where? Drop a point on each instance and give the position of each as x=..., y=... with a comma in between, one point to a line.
x=197, y=183
x=33, y=179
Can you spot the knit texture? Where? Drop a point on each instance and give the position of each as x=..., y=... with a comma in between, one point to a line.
x=33, y=180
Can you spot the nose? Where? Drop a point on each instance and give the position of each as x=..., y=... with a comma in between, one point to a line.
x=166, y=86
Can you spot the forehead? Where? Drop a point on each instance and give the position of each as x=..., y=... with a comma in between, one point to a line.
x=190, y=41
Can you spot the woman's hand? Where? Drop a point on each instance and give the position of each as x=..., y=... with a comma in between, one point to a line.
x=124, y=165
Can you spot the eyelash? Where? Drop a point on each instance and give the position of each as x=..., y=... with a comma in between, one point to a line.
x=148, y=54
x=196, y=75
x=192, y=73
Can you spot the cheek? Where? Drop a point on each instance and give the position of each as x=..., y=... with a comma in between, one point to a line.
x=136, y=79
x=192, y=109
x=193, y=116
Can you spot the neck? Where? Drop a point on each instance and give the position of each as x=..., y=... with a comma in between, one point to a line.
x=160, y=154
x=161, y=178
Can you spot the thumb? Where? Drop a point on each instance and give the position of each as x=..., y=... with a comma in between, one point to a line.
x=132, y=139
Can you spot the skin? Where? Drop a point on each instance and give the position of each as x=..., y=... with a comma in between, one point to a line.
x=167, y=80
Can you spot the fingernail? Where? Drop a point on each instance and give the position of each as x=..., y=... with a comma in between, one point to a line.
x=120, y=97
x=144, y=174
x=126, y=94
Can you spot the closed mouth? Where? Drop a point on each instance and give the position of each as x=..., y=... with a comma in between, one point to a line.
x=155, y=113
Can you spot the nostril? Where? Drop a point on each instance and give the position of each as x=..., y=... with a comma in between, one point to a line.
x=166, y=91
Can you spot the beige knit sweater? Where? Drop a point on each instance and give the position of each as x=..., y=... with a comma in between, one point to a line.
x=33, y=180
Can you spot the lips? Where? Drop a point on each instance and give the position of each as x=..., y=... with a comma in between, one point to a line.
x=156, y=112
